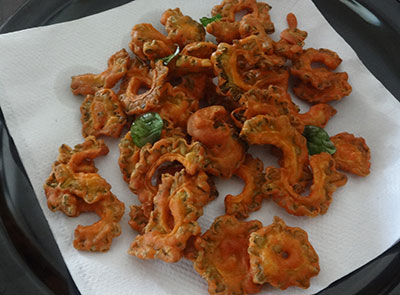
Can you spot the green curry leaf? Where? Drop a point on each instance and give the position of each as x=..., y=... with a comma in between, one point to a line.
x=146, y=128
x=208, y=20
x=318, y=140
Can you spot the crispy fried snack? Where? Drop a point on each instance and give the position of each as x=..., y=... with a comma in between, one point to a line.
x=339, y=88
x=352, y=154
x=98, y=236
x=102, y=114
x=149, y=44
x=91, y=83
x=182, y=29
x=130, y=153
x=211, y=127
x=292, y=40
x=199, y=49
x=135, y=103
x=234, y=63
x=249, y=200
x=222, y=258
x=278, y=131
x=282, y=256
x=74, y=187
x=178, y=204
x=228, y=29
x=319, y=78
x=80, y=158
x=137, y=77
x=169, y=149
x=319, y=85
x=325, y=182
x=274, y=101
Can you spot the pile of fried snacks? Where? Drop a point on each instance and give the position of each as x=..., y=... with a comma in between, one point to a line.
x=191, y=109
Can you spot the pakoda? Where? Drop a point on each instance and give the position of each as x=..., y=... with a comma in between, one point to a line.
x=352, y=154
x=182, y=29
x=177, y=206
x=278, y=131
x=325, y=182
x=252, y=173
x=282, y=256
x=224, y=150
x=149, y=44
x=222, y=258
x=102, y=114
x=74, y=187
x=91, y=83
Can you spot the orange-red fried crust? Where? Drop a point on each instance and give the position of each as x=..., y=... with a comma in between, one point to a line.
x=352, y=154
x=325, y=182
x=74, y=187
x=278, y=131
x=91, y=83
x=177, y=206
x=102, y=114
x=211, y=127
x=252, y=173
x=222, y=258
x=282, y=256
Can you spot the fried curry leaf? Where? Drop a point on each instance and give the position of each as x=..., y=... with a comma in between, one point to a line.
x=318, y=140
x=208, y=20
x=146, y=128
x=166, y=60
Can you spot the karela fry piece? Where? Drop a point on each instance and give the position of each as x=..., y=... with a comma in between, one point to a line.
x=178, y=204
x=91, y=83
x=224, y=151
x=102, y=114
x=282, y=256
x=325, y=182
x=222, y=257
x=182, y=29
x=73, y=187
x=149, y=44
x=278, y=131
x=151, y=157
x=352, y=154
x=252, y=173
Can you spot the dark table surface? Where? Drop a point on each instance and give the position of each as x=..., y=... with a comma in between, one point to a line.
x=30, y=264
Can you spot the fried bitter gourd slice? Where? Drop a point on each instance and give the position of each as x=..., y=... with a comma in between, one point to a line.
x=282, y=256
x=352, y=154
x=252, y=173
x=274, y=101
x=222, y=257
x=177, y=206
x=228, y=29
x=91, y=83
x=73, y=187
x=319, y=85
x=151, y=157
x=230, y=61
x=102, y=114
x=278, y=131
x=325, y=182
x=135, y=103
x=224, y=150
x=182, y=29
x=149, y=44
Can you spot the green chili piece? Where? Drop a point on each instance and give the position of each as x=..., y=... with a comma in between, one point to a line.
x=318, y=140
x=146, y=128
x=166, y=60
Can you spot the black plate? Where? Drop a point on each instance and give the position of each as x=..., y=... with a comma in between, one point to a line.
x=30, y=261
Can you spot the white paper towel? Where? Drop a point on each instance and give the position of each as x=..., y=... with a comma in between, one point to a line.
x=42, y=113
